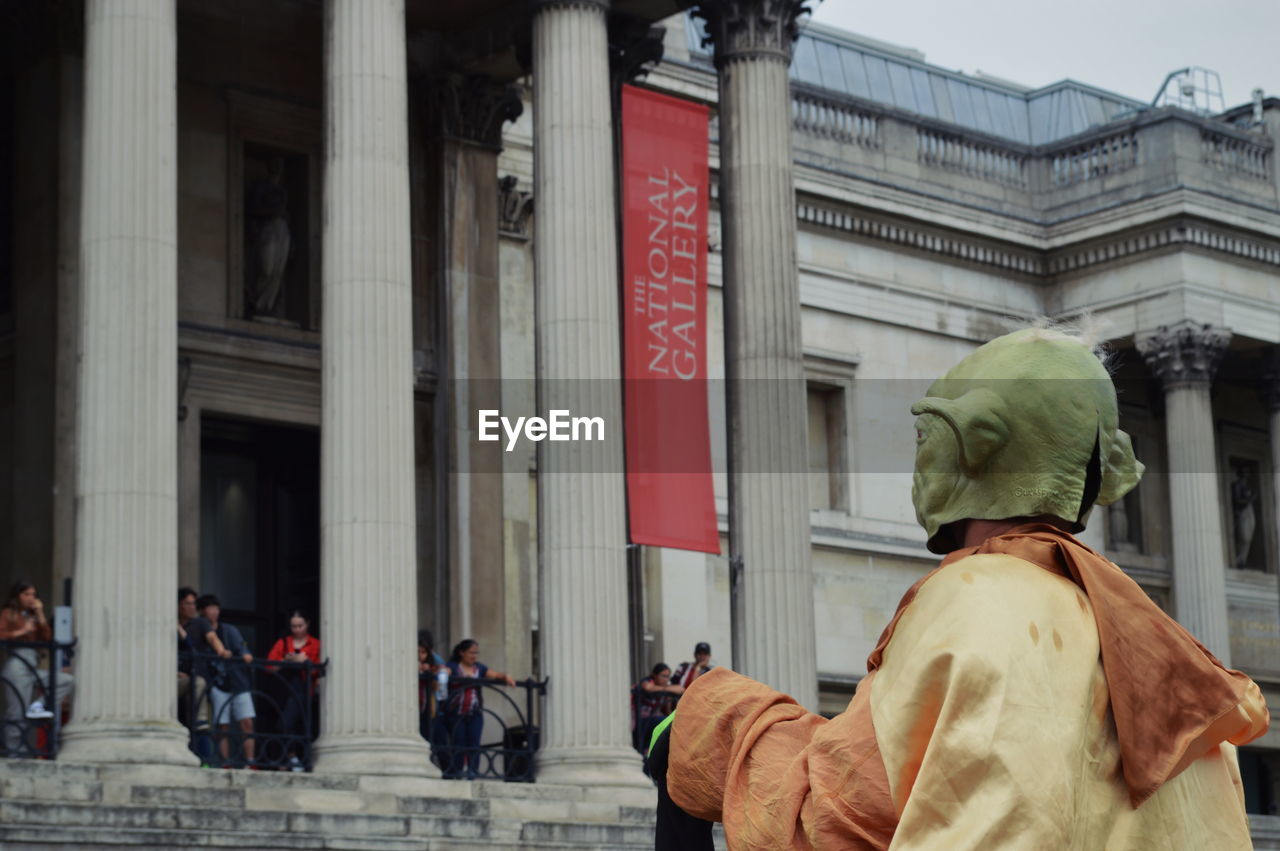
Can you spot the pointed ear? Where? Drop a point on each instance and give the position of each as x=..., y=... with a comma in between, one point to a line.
x=1121, y=471
x=978, y=420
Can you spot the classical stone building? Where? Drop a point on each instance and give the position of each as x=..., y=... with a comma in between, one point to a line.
x=265, y=260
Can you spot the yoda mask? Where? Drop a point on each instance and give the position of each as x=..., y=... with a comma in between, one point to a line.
x=1027, y=425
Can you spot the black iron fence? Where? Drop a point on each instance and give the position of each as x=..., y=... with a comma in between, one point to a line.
x=33, y=689
x=260, y=714
x=487, y=734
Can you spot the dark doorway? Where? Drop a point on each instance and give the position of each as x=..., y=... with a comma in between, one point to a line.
x=260, y=525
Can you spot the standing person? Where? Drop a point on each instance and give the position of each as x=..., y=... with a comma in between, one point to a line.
x=22, y=619
x=462, y=716
x=687, y=672
x=231, y=683
x=187, y=680
x=1026, y=694
x=430, y=666
x=652, y=699
x=298, y=646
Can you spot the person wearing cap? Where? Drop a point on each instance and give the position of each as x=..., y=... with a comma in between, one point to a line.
x=1026, y=694
x=687, y=672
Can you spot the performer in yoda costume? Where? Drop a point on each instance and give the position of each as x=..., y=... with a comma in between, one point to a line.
x=1027, y=694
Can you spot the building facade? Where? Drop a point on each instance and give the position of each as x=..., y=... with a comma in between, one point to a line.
x=268, y=259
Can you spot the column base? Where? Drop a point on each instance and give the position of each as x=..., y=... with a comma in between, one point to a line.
x=389, y=756
x=127, y=742
x=592, y=767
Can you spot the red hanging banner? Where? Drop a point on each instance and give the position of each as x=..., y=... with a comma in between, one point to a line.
x=671, y=500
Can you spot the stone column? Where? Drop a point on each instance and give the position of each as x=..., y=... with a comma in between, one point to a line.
x=368, y=573
x=1271, y=398
x=467, y=113
x=581, y=519
x=1185, y=357
x=127, y=524
x=768, y=448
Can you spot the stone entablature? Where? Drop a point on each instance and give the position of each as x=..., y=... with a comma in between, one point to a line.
x=1042, y=262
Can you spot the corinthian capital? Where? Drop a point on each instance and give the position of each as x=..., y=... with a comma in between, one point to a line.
x=752, y=29
x=473, y=108
x=1185, y=351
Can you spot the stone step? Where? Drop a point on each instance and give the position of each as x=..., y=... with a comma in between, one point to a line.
x=25, y=838
x=46, y=805
x=187, y=819
x=568, y=834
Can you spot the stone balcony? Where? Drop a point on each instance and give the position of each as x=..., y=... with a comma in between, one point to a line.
x=1153, y=152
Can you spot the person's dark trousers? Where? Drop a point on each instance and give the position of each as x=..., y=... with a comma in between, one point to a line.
x=461, y=734
x=471, y=728
x=291, y=723
x=677, y=830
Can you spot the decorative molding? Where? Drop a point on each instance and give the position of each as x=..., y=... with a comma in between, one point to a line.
x=472, y=108
x=752, y=29
x=1030, y=261
x=1027, y=261
x=1184, y=352
x=539, y=5
x=635, y=47
x=514, y=208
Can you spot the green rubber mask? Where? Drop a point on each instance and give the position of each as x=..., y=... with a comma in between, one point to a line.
x=1024, y=426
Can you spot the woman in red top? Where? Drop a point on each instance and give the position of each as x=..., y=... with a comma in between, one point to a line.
x=22, y=619
x=298, y=646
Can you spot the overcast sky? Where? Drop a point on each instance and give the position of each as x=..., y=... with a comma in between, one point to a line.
x=1124, y=46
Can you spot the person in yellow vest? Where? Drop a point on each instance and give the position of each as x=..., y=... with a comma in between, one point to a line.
x=1026, y=694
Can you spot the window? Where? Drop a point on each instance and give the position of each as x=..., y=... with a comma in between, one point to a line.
x=826, y=431
x=829, y=384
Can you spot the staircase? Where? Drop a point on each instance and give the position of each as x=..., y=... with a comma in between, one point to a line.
x=47, y=805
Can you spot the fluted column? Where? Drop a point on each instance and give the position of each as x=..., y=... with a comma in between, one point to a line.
x=582, y=528
x=1185, y=357
x=466, y=116
x=768, y=497
x=368, y=583
x=127, y=554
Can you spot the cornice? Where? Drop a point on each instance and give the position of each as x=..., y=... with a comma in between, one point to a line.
x=1121, y=244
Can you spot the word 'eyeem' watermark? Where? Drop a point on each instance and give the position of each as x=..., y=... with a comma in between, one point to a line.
x=558, y=426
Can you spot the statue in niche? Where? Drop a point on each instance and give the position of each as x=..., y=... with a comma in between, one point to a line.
x=268, y=239
x=1118, y=526
x=1243, y=498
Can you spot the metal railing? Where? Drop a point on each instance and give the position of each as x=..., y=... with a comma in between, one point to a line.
x=642, y=726
x=283, y=697
x=485, y=744
x=32, y=698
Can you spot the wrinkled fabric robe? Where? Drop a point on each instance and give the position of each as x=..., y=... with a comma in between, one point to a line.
x=1027, y=694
